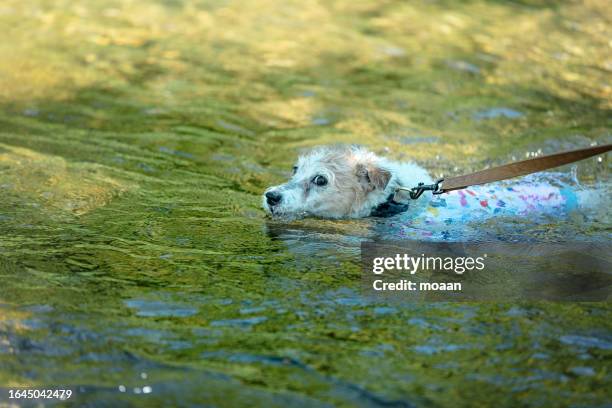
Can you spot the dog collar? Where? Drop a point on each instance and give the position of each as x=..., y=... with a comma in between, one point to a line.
x=388, y=208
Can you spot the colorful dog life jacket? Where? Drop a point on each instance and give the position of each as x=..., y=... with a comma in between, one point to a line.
x=460, y=214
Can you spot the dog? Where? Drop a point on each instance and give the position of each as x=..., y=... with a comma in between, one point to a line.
x=352, y=182
x=342, y=182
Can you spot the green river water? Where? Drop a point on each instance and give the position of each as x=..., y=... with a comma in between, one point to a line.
x=136, y=138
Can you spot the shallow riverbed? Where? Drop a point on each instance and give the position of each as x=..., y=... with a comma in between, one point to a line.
x=136, y=139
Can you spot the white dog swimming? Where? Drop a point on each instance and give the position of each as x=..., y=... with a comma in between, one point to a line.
x=340, y=182
x=352, y=182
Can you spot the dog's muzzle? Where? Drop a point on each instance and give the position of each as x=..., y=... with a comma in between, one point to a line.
x=273, y=198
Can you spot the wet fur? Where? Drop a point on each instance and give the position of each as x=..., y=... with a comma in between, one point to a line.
x=358, y=181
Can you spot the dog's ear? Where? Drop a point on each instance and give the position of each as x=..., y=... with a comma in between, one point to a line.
x=373, y=177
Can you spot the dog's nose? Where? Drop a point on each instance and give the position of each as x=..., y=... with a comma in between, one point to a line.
x=273, y=197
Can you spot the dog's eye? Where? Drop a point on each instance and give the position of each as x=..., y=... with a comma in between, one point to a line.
x=319, y=180
x=294, y=169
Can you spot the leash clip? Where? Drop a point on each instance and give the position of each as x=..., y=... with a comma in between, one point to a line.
x=416, y=192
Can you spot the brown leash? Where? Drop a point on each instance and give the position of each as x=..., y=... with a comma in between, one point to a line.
x=506, y=171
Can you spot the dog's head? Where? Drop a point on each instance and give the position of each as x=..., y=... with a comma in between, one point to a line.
x=340, y=182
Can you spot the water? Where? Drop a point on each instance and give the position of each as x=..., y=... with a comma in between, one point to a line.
x=136, y=139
